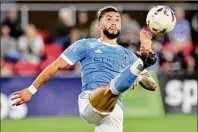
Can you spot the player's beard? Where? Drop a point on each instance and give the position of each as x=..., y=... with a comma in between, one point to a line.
x=110, y=35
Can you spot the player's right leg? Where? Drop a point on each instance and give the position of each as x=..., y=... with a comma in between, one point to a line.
x=101, y=102
x=96, y=107
x=104, y=98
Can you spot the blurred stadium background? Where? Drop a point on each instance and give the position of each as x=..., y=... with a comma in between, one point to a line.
x=34, y=33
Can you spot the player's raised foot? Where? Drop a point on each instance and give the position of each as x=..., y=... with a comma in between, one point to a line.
x=145, y=53
x=146, y=40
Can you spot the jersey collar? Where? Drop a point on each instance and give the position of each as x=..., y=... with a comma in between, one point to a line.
x=111, y=45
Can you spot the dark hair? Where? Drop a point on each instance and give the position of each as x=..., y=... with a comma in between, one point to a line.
x=104, y=10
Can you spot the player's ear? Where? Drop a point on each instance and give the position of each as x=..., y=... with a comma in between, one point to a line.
x=100, y=24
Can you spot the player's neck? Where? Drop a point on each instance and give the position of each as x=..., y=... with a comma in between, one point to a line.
x=109, y=41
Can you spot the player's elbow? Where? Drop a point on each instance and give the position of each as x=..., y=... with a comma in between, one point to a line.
x=59, y=63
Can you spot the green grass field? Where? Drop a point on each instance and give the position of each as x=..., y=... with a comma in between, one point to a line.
x=142, y=109
x=173, y=123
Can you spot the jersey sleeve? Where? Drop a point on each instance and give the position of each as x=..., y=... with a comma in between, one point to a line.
x=75, y=52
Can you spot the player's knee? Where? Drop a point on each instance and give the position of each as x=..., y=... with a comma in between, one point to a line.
x=103, y=99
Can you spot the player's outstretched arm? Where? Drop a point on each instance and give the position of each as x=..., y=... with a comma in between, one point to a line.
x=25, y=95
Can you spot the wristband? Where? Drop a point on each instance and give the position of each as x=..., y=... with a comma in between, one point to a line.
x=32, y=89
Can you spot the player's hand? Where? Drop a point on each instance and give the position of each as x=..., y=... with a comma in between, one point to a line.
x=21, y=97
x=136, y=83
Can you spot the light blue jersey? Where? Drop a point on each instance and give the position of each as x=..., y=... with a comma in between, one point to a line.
x=100, y=62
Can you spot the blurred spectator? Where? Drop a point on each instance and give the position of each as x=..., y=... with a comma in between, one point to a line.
x=8, y=45
x=13, y=22
x=180, y=46
x=61, y=31
x=182, y=30
x=129, y=36
x=94, y=30
x=194, y=22
x=31, y=45
x=195, y=54
x=195, y=29
x=81, y=29
x=74, y=35
x=83, y=24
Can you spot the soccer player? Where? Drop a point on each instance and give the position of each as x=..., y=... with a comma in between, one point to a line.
x=107, y=70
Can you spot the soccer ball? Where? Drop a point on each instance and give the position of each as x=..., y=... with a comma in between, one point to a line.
x=161, y=20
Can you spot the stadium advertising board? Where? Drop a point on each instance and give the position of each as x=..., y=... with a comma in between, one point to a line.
x=58, y=97
x=179, y=92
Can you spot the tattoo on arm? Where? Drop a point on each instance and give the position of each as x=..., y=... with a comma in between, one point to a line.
x=148, y=82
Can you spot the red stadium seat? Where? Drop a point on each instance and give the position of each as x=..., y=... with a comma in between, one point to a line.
x=48, y=61
x=52, y=50
x=45, y=63
x=26, y=68
x=44, y=34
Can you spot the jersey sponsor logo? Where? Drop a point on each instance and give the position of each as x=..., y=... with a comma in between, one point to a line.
x=98, y=51
x=109, y=62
